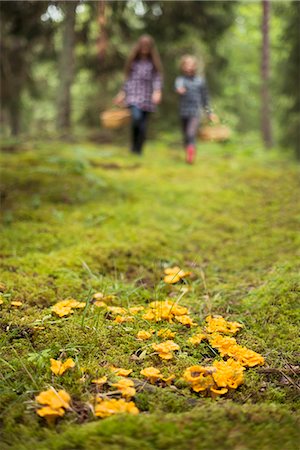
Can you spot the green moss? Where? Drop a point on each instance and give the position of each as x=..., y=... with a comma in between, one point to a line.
x=222, y=426
x=81, y=219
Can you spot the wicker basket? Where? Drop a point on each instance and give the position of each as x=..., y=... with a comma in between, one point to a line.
x=115, y=118
x=216, y=133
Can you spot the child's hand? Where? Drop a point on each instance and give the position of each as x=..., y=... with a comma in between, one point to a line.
x=181, y=90
x=213, y=118
x=119, y=98
x=156, y=97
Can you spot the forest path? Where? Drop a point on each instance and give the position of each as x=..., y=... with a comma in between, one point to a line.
x=80, y=218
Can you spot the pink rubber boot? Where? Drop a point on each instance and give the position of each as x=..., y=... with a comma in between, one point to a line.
x=190, y=154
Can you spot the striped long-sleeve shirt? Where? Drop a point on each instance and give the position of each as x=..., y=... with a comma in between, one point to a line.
x=141, y=83
x=195, y=98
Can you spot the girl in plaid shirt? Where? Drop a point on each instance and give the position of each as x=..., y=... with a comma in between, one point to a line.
x=193, y=94
x=142, y=88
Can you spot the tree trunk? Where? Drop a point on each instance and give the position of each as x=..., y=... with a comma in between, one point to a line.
x=13, y=78
x=66, y=66
x=265, y=75
x=15, y=114
x=103, y=37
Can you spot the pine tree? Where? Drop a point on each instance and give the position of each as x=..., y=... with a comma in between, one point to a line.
x=265, y=76
x=22, y=34
x=66, y=66
x=291, y=79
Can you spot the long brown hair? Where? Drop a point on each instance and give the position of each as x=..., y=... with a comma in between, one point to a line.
x=135, y=54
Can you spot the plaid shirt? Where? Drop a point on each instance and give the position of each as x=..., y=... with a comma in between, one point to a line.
x=141, y=83
x=196, y=97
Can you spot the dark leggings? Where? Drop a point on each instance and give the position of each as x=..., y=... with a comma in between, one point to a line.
x=139, y=126
x=190, y=128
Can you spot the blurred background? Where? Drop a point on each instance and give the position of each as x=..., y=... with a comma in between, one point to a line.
x=62, y=64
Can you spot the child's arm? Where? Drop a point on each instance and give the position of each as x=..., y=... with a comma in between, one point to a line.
x=157, y=88
x=119, y=98
x=121, y=95
x=205, y=101
x=179, y=86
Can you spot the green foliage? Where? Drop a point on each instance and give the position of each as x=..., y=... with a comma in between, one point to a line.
x=201, y=25
x=225, y=35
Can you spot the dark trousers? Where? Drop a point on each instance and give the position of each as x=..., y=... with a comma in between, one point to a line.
x=139, y=127
x=190, y=127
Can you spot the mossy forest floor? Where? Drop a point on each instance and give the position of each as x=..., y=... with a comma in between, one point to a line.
x=80, y=218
